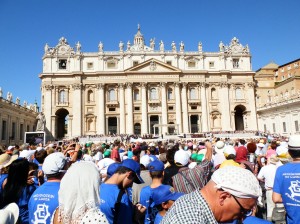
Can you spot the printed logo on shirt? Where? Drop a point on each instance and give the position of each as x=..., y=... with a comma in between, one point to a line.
x=295, y=188
x=41, y=214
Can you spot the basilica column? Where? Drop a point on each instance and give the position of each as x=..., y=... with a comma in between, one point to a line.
x=224, y=98
x=122, y=110
x=129, y=125
x=164, y=112
x=77, y=109
x=204, y=107
x=144, y=109
x=185, y=118
x=47, y=107
x=252, y=122
x=101, y=110
x=178, y=107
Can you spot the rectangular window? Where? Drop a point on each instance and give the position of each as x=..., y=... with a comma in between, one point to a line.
x=211, y=64
x=62, y=64
x=171, y=108
x=235, y=63
x=194, y=107
x=274, y=129
x=13, y=130
x=3, y=137
x=111, y=64
x=135, y=63
x=90, y=65
x=137, y=108
x=296, y=126
x=21, y=131
x=169, y=62
x=265, y=128
x=284, y=126
x=112, y=109
x=191, y=64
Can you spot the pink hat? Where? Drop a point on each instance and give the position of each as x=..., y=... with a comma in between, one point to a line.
x=270, y=152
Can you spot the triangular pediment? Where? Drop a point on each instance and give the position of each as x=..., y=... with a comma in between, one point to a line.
x=153, y=66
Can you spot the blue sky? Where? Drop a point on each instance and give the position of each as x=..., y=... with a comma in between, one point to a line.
x=271, y=28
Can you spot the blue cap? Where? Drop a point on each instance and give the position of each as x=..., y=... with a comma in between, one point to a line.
x=156, y=165
x=164, y=193
x=135, y=167
x=111, y=169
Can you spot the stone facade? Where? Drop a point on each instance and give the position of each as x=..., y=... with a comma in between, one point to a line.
x=278, y=98
x=147, y=89
x=16, y=119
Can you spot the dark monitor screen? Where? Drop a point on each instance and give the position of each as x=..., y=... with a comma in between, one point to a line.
x=35, y=138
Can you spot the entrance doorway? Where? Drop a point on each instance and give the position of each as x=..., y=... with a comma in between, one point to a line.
x=194, y=123
x=61, y=123
x=112, y=125
x=238, y=117
x=154, y=120
x=171, y=129
x=137, y=128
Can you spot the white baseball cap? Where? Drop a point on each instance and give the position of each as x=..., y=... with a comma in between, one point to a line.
x=181, y=157
x=9, y=214
x=54, y=163
x=145, y=160
x=294, y=142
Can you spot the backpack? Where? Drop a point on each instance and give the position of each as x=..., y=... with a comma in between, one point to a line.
x=188, y=180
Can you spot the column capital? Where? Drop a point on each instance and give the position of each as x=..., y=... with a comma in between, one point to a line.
x=184, y=84
x=251, y=84
x=163, y=84
x=77, y=86
x=100, y=86
x=144, y=84
x=48, y=87
x=121, y=85
x=224, y=84
x=129, y=85
x=203, y=84
x=177, y=84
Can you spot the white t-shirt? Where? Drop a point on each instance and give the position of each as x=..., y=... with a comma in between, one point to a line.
x=267, y=173
x=98, y=156
x=103, y=164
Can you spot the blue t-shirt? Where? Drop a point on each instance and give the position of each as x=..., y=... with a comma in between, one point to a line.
x=2, y=179
x=158, y=218
x=23, y=203
x=146, y=200
x=108, y=197
x=287, y=183
x=253, y=219
x=43, y=203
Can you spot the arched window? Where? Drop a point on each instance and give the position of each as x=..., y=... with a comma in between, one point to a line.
x=90, y=96
x=238, y=93
x=193, y=94
x=62, y=96
x=213, y=93
x=111, y=95
x=170, y=94
x=153, y=94
x=136, y=95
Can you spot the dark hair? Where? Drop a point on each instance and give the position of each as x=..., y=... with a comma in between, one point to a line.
x=171, y=153
x=230, y=156
x=294, y=153
x=16, y=181
x=156, y=174
x=40, y=156
x=122, y=169
x=242, y=141
x=159, y=207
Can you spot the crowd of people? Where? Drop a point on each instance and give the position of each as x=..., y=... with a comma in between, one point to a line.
x=170, y=181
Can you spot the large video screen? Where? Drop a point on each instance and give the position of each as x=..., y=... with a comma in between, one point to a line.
x=35, y=138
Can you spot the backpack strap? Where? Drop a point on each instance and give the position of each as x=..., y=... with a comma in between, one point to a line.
x=117, y=206
x=184, y=177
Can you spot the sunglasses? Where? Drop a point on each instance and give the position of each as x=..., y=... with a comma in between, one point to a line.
x=244, y=212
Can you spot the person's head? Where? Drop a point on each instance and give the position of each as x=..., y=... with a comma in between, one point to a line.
x=294, y=146
x=129, y=173
x=144, y=161
x=16, y=181
x=231, y=193
x=156, y=169
x=229, y=152
x=55, y=165
x=164, y=196
x=79, y=191
x=181, y=158
x=40, y=155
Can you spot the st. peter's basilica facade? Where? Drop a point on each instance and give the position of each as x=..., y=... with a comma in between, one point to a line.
x=147, y=89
